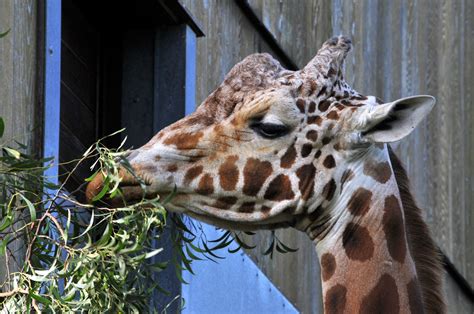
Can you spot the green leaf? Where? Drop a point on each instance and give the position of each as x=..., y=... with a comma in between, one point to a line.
x=104, y=190
x=89, y=226
x=89, y=179
x=40, y=299
x=153, y=253
x=3, y=244
x=243, y=244
x=30, y=206
x=270, y=248
x=4, y=33
x=11, y=152
x=287, y=248
x=105, y=236
x=7, y=221
x=2, y=126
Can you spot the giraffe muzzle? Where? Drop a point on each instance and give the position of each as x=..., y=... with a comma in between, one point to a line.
x=130, y=186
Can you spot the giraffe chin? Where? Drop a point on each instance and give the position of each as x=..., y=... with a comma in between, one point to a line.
x=241, y=226
x=228, y=219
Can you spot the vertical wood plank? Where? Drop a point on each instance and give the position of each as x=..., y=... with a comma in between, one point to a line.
x=18, y=90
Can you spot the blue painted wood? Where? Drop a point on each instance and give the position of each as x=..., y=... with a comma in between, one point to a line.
x=234, y=285
x=52, y=85
x=190, y=88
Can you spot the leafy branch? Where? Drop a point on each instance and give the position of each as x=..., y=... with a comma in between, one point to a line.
x=80, y=257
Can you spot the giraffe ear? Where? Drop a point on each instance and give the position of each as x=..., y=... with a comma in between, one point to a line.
x=393, y=121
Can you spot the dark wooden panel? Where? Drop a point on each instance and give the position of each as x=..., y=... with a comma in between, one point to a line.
x=80, y=77
x=170, y=70
x=137, y=85
x=76, y=25
x=79, y=90
x=77, y=116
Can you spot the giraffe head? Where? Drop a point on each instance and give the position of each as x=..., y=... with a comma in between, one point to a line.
x=269, y=145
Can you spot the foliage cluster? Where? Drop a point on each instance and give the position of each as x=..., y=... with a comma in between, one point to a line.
x=81, y=257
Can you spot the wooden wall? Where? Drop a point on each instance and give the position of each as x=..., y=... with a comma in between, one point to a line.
x=401, y=48
x=18, y=69
x=18, y=88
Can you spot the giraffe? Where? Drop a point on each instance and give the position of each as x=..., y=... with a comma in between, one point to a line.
x=272, y=148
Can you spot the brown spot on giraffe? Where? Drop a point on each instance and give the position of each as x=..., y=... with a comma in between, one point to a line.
x=333, y=115
x=289, y=157
x=347, y=175
x=192, y=173
x=313, y=86
x=206, y=185
x=338, y=146
x=255, y=174
x=393, y=227
x=247, y=207
x=379, y=171
x=305, y=175
x=317, y=154
x=172, y=168
x=340, y=106
x=315, y=120
x=225, y=202
x=383, y=298
x=312, y=135
x=335, y=300
x=329, y=189
x=360, y=201
x=328, y=266
x=306, y=150
x=324, y=105
x=229, y=173
x=414, y=296
x=311, y=107
x=357, y=242
x=300, y=103
x=326, y=140
x=184, y=140
x=329, y=162
x=322, y=91
x=279, y=189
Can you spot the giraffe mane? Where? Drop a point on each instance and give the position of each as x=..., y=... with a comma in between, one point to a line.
x=424, y=251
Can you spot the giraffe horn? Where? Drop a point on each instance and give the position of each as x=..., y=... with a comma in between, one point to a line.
x=329, y=59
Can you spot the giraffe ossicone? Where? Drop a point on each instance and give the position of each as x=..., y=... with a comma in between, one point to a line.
x=273, y=148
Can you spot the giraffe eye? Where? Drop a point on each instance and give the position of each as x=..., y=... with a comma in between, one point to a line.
x=269, y=130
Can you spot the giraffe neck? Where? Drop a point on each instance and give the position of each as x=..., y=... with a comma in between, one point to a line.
x=366, y=265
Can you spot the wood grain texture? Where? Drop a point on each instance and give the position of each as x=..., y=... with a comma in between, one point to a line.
x=300, y=27
x=405, y=48
x=401, y=48
x=18, y=88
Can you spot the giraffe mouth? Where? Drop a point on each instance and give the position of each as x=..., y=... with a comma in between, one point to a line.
x=131, y=188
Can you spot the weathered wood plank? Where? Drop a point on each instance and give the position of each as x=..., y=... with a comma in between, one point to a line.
x=18, y=87
x=300, y=27
x=404, y=48
x=18, y=68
